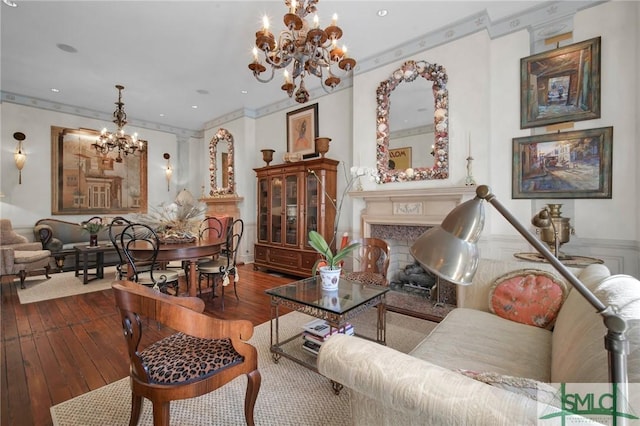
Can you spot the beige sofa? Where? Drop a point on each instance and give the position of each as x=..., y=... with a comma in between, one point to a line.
x=426, y=386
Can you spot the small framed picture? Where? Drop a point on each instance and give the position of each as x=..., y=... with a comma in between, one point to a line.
x=560, y=85
x=573, y=164
x=302, y=131
x=400, y=158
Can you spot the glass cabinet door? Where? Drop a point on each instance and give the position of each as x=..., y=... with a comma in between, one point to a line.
x=291, y=209
x=312, y=213
x=263, y=209
x=276, y=210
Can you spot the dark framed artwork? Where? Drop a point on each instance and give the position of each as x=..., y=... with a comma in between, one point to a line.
x=573, y=164
x=302, y=131
x=88, y=183
x=560, y=85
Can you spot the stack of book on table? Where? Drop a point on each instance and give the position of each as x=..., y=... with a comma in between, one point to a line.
x=317, y=331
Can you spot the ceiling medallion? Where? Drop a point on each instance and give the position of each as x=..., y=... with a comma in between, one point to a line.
x=309, y=49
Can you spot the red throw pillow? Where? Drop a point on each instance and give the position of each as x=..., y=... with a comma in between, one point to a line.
x=528, y=296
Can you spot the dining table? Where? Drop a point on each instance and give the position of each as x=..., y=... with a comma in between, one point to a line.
x=189, y=252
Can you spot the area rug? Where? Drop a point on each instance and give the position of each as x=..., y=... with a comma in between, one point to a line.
x=39, y=288
x=290, y=394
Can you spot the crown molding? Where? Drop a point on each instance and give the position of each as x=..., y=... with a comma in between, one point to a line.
x=29, y=101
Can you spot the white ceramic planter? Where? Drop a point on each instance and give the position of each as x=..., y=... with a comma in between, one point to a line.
x=330, y=277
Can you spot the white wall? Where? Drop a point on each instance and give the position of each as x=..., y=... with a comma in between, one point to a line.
x=26, y=203
x=484, y=84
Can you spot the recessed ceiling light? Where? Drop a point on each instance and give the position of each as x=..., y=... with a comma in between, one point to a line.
x=244, y=92
x=54, y=90
x=194, y=106
x=382, y=12
x=10, y=3
x=161, y=115
x=66, y=48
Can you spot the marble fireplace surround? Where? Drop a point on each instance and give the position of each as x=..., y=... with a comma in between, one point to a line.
x=401, y=216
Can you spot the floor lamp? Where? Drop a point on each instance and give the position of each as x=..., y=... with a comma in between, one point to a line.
x=451, y=252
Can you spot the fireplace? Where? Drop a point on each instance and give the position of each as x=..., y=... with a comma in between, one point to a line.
x=399, y=217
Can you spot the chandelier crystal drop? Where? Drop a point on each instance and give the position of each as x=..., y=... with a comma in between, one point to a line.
x=302, y=49
x=124, y=143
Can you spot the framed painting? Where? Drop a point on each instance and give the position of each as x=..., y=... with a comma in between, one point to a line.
x=560, y=85
x=302, y=131
x=88, y=183
x=573, y=164
x=400, y=158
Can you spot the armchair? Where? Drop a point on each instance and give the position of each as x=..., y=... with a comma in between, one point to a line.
x=204, y=354
x=18, y=256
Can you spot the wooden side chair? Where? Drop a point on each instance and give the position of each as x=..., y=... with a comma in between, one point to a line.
x=225, y=265
x=204, y=354
x=373, y=256
x=140, y=245
x=210, y=228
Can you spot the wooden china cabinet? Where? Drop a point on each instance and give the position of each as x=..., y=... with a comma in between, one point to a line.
x=293, y=200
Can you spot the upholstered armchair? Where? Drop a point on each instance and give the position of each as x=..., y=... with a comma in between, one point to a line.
x=18, y=256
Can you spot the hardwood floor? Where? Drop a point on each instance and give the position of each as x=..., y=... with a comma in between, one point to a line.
x=58, y=349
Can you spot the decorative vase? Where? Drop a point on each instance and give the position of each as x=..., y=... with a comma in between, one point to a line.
x=322, y=146
x=267, y=155
x=93, y=240
x=330, y=277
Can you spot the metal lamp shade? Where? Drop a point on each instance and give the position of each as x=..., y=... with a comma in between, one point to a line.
x=450, y=250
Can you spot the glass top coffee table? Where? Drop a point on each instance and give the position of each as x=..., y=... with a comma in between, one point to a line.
x=335, y=307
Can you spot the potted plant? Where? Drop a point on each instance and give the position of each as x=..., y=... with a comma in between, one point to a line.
x=330, y=263
x=93, y=226
x=329, y=259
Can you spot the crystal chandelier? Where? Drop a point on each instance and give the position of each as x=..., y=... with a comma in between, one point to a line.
x=124, y=143
x=310, y=49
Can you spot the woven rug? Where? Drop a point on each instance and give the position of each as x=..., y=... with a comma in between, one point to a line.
x=290, y=394
x=39, y=288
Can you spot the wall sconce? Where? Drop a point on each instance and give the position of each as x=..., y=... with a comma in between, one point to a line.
x=168, y=170
x=20, y=157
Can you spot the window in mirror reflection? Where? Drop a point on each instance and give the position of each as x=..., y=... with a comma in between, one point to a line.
x=417, y=123
x=221, y=164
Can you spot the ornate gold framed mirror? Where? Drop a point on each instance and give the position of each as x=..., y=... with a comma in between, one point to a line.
x=221, y=164
x=430, y=140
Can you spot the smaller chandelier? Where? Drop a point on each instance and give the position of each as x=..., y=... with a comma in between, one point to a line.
x=124, y=143
x=308, y=48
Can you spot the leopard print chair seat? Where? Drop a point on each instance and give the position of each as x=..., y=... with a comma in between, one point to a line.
x=181, y=358
x=203, y=354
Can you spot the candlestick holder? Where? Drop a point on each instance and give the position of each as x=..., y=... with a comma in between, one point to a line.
x=469, y=180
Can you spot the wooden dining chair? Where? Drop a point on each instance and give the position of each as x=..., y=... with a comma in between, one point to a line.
x=204, y=354
x=224, y=266
x=373, y=257
x=144, y=268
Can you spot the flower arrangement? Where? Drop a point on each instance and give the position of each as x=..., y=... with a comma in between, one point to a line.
x=178, y=221
x=317, y=241
x=93, y=225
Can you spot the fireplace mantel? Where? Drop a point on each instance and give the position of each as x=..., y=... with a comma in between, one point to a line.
x=223, y=206
x=410, y=207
